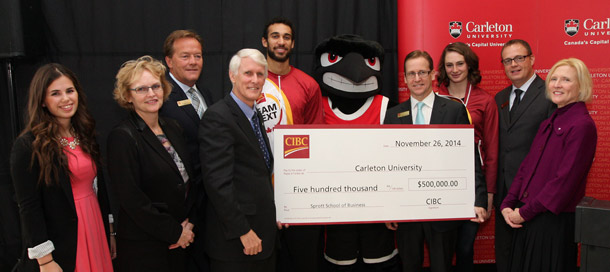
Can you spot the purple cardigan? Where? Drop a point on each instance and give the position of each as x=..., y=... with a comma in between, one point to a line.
x=553, y=175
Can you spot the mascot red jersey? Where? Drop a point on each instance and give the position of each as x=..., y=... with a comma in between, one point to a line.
x=348, y=70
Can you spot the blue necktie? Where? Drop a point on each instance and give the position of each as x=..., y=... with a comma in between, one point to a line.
x=419, y=118
x=261, y=140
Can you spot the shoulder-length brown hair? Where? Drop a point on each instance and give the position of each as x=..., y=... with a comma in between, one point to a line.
x=471, y=59
x=46, y=149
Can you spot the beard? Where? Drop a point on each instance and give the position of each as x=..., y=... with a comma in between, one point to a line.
x=277, y=58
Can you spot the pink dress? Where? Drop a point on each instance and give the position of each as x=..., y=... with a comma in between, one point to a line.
x=92, y=253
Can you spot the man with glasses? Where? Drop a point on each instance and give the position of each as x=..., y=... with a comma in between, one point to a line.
x=424, y=107
x=522, y=107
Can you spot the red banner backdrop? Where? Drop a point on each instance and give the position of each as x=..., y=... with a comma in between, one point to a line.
x=555, y=29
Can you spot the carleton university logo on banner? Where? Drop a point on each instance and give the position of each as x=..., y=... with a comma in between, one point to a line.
x=571, y=27
x=296, y=146
x=455, y=29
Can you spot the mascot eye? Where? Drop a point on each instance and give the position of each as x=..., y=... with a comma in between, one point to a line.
x=373, y=63
x=327, y=59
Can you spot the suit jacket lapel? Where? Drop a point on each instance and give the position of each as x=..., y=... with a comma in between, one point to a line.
x=151, y=139
x=206, y=96
x=531, y=94
x=504, y=110
x=406, y=119
x=66, y=185
x=178, y=95
x=174, y=137
x=438, y=110
x=244, y=123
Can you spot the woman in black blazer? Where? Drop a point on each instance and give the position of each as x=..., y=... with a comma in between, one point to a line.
x=56, y=173
x=150, y=169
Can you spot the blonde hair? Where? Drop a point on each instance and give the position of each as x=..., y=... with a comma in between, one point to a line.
x=132, y=70
x=585, y=83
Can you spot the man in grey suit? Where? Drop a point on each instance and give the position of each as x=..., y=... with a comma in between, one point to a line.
x=522, y=107
x=237, y=164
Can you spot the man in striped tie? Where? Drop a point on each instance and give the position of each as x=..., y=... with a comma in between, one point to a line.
x=186, y=103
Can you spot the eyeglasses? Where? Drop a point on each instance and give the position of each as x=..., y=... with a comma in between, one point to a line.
x=411, y=75
x=144, y=89
x=517, y=59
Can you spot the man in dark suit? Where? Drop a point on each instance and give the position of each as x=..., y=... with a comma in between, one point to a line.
x=237, y=164
x=429, y=108
x=186, y=104
x=522, y=107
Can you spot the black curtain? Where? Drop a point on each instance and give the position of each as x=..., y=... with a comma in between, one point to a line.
x=94, y=37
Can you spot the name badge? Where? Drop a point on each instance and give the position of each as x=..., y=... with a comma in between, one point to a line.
x=184, y=102
x=403, y=114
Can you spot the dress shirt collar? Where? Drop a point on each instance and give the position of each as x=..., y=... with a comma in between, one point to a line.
x=427, y=109
x=525, y=86
x=185, y=88
x=247, y=110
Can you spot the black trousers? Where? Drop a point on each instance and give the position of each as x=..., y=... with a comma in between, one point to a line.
x=301, y=249
x=265, y=265
x=441, y=246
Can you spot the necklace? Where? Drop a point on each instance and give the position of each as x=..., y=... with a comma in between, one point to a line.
x=71, y=144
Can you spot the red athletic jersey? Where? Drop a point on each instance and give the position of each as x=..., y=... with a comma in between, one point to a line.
x=372, y=112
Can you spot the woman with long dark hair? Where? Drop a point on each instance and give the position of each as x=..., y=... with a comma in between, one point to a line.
x=55, y=166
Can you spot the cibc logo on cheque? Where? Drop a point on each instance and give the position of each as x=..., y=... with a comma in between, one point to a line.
x=296, y=146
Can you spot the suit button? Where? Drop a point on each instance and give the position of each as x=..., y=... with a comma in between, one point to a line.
x=525, y=195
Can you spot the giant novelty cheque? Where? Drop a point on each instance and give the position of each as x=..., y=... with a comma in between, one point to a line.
x=373, y=173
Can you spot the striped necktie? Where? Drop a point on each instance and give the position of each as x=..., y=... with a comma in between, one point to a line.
x=196, y=102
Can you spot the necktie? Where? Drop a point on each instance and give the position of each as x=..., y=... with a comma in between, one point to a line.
x=196, y=102
x=516, y=102
x=261, y=140
x=419, y=118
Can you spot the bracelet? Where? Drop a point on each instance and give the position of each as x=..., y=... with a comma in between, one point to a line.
x=47, y=262
x=113, y=233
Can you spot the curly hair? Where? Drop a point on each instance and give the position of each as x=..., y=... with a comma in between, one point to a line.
x=46, y=148
x=471, y=59
x=132, y=70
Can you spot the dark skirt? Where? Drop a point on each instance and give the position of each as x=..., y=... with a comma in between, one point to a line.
x=149, y=256
x=545, y=243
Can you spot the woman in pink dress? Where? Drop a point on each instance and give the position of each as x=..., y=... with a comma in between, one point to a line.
x=56, y=174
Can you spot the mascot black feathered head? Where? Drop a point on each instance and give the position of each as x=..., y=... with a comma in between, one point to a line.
x=349, y=67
